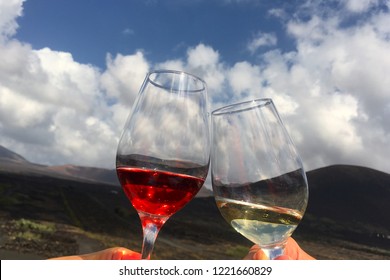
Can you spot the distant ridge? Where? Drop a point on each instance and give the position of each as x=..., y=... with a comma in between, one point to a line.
x=7, y=154
x=92, y=173
x=14, y=163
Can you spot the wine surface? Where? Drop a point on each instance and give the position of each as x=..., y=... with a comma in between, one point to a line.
x=263, y=225
x=157, y=192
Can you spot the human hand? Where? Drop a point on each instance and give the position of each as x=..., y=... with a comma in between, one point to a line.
x=291, y=252
x=115, y=253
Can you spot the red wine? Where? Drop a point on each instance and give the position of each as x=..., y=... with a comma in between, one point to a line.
x=157, y=192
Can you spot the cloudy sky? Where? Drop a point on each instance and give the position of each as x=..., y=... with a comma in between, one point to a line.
x=70, y=70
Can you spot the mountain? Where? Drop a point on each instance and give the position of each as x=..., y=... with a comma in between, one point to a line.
x=350, y=194
x=50, y=211
x=12, y=162
x=349, y=202
x=6, y=154
x=90, y=173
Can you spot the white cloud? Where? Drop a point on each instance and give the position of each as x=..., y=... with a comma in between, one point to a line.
x=332, y=90
x=9, y=11
x=245, y=79
x=262, y=40
x=338, y=78
x=124, y=75
x=204, y=61
x=71, y=84
x=128, y=31
x=47, y=102
x=148, y=126
x=176, y=64
x=202, y=57
x=359, y=6
x=278, y=12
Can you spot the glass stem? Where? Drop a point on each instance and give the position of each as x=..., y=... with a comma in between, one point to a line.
x=273, y=252
x=150, y=232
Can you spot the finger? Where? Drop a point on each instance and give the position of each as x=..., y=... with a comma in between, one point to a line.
x=260, y=255
x=283, y=257
x=294, y=251
x=255, y=253
x=115, y=253
x=125, y=254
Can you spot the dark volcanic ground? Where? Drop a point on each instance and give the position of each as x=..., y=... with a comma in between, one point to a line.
x=45, y=214
x=44, y=217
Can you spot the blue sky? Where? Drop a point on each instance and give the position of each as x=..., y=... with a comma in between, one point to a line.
x=71, y=69
x=162, y=29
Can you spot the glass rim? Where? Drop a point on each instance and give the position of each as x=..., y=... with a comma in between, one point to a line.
x=242, y=106
x=176, y=72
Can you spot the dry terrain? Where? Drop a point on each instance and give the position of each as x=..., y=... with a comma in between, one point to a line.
x=46, y=212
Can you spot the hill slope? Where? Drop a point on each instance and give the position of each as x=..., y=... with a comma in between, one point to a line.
x=351, y=194
x=11, y=162
x=59, y=214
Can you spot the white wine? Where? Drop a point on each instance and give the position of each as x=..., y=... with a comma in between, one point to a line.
x=261, y=224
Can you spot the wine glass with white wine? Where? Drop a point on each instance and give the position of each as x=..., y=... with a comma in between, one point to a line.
x=258, y=179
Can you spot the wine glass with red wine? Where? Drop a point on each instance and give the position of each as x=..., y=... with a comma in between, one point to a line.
x=164, y=152
x=258, y=178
